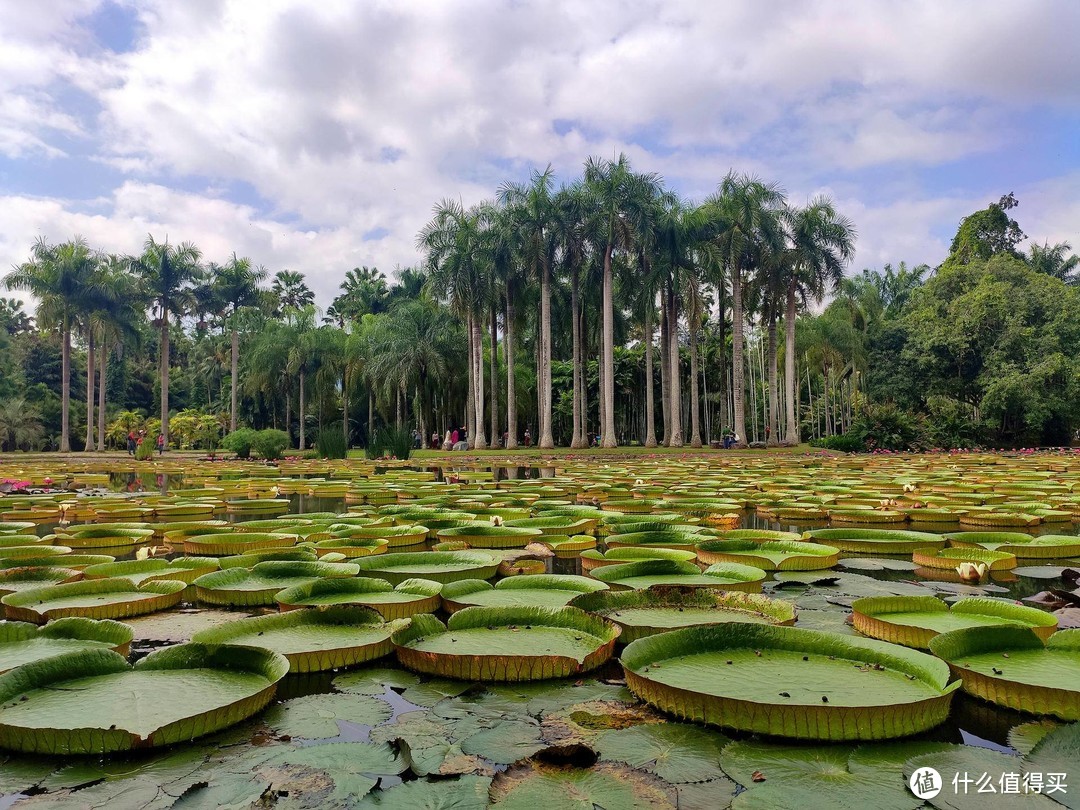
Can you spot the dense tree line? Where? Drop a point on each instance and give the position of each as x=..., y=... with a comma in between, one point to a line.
x=607, y=311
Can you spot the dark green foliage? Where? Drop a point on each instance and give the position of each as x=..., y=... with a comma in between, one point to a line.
x=390, y=442
x=145, y=451
x=331, y=442
x=844, y=443
x=240, y=442
x=270, y=444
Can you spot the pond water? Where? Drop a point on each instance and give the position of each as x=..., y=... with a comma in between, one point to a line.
x=461, y=731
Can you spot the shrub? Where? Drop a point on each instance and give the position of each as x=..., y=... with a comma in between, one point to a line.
x=270, y=444
x=390, y=441
x=331, y=442
x=145, y=451
x=240, y=442
x=844, y=443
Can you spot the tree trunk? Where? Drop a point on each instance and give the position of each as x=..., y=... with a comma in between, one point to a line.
x=103, y=357
x=165, y=373
x=545, y=440
x=650, y=397
x=665, y=369
x=235, y=378
x=738, y=367
x=695, y=402
x=90, y=363
x=673, y=358
x=345, y=406
x=301, y=408
x=511, y=393
x=480, y=441
x=577, y=438
x=774, y=387
x=607, y=376
x=370, y=415
x=791, y=435
x=493, y=365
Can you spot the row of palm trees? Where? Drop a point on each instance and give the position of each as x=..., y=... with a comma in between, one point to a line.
x=650, y=253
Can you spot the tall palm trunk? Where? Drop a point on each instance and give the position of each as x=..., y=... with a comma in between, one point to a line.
x=493, y=366
x=665, y=369
x=470, y=399
x=370, y=414
x=65, y=389
x=301, y=407
x=90, y=363
x=650, y=397
x=774, y=387
x=791, y=435
x=607, y=372
x=673, y=359
x=511, y=393
x=345, y=405
x=235, y=378
x=695, y=402
x=545, y=439
x=738, y=367
x=103, y=356
x=480, y=441
x=578, y=437
x=165, y=373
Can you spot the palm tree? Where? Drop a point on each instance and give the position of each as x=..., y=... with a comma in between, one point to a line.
x=363, y=290
x=117, y=323
x=744, y=212
x=236, y=285
x=20, y=425
x=291, y=291
x=60, y=277
x=1054, y=260
x=821, y=242
x=168, y=271
x=302, y=343
x=13, y=318
x=454, y=245
x=532, y=208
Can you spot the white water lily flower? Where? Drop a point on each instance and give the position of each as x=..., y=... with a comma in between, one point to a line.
x=972, y=572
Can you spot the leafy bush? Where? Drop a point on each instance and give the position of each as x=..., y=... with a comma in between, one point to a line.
x=950, y=426
x=331, y=442
x=392, y=442
x=270, y=444
x=844, y=443
x=240, y=442
x=145, y=450
x=888, y=427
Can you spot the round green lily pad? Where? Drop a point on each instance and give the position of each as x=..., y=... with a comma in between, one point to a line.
x=591, y=560
x=530, y=590
x=789, y=682
x=771, y=555
x=407, y=598
x=260, y=584
x=491, y=536
x=950, y=558
x=312, y=640
x=23, y=579
x=647, y=573
x=663, y=608
x=94, y=702
x=185, y=569
x=506, y=644
x=439, y=566
x=875, y=541
x=22, y=643
x=914, y=620
x=114, y=598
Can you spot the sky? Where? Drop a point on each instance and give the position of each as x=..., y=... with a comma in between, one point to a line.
x=318, y=136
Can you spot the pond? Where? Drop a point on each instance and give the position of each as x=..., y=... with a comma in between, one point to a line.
x=378, y=734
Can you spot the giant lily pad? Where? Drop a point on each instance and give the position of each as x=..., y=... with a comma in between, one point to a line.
x=94, y=702
x=185, y=569
x=659, y=609
x=789, y=682
x=103, y=536
x=23, y=579
x=312, y=640
x=33, y=551
x=395, y=536
x=914, y=620
x=556, y=525
x=647, y=573
x=950, y=558
x=685, y=541
x=771, y=555
x=531, y=784
x=392, y=602
x=1013, y=667
x=1022, y=546
x=491, y=536
x=238, y=542
x=506, y=644
x=21, y=643
x=260, y=584
x=75, y=561
x=613, y=556
x=439, y=566
x=875, y=541
x=353, y=546
x=114, y=598
x=251, y=559
x=538, y=590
